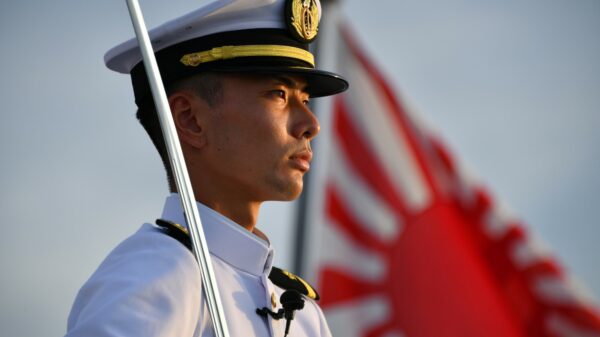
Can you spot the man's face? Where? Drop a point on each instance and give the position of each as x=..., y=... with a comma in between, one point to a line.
x=258, y=137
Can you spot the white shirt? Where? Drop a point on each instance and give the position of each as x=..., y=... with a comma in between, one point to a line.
x=150, y=285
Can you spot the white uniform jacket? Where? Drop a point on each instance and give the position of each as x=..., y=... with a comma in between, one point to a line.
x=150, y=286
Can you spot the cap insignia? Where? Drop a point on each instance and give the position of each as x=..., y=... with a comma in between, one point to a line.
x=302, y=18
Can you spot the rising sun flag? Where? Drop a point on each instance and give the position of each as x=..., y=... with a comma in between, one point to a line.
x=411, y=247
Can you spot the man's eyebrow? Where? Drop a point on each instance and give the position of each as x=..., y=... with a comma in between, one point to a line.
x=289, y=82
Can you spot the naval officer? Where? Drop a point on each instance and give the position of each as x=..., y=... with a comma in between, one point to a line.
x=239, y=77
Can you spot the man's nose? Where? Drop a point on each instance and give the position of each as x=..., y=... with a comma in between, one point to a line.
x=306, y=123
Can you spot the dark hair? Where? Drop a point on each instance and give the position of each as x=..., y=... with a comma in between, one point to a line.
x=207, y=86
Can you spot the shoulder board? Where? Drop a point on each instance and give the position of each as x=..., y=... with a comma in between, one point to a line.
x=176, y=231
x=286, y=280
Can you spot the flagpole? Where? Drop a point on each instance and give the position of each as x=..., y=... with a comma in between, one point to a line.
x=180, y=172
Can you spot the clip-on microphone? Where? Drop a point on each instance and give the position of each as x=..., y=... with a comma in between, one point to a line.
x=291, y=300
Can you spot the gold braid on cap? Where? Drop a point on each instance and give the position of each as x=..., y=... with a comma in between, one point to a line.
x=230, y=52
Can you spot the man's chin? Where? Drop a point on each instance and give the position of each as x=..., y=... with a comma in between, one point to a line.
x=290, y=192
x=283, y=187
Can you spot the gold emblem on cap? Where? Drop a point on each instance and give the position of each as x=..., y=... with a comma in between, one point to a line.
x=303, y=19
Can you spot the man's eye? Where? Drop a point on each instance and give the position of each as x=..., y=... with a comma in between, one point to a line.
x=279, y=93
x=306, y=102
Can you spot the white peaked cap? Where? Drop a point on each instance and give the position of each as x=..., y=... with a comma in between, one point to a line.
x=214, y=17
x=245, y=35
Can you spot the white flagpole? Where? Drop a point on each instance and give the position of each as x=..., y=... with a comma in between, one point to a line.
x=180, y=172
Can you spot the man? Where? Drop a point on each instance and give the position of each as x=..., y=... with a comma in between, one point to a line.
x=239, y=78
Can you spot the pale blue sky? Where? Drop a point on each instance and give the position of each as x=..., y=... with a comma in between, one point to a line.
x=513, y=87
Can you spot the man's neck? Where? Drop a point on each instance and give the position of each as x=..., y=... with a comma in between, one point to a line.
x=243, y=214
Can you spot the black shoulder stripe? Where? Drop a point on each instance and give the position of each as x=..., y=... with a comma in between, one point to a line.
x=288, y=281
x=176, y=231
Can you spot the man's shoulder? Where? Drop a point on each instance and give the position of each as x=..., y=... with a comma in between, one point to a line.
x=147, y=259
x=148, y=270
x=149, y=254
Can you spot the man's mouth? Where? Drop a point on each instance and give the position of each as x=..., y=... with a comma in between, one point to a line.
x=301, y=160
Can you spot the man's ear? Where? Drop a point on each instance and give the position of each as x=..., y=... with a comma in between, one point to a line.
x=188, y=111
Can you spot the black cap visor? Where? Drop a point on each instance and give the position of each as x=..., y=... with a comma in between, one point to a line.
x=319, y=83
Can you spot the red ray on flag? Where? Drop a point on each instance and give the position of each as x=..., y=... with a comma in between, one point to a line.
x=411, y=248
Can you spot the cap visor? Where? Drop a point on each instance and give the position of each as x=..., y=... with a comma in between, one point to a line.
x=319, y=83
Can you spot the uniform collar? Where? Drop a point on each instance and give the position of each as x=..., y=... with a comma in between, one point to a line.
x=226, y=239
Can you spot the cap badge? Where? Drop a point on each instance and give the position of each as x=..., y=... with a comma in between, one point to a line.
x=302, y=18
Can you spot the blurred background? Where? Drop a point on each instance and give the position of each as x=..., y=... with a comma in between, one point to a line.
x=513, y=87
